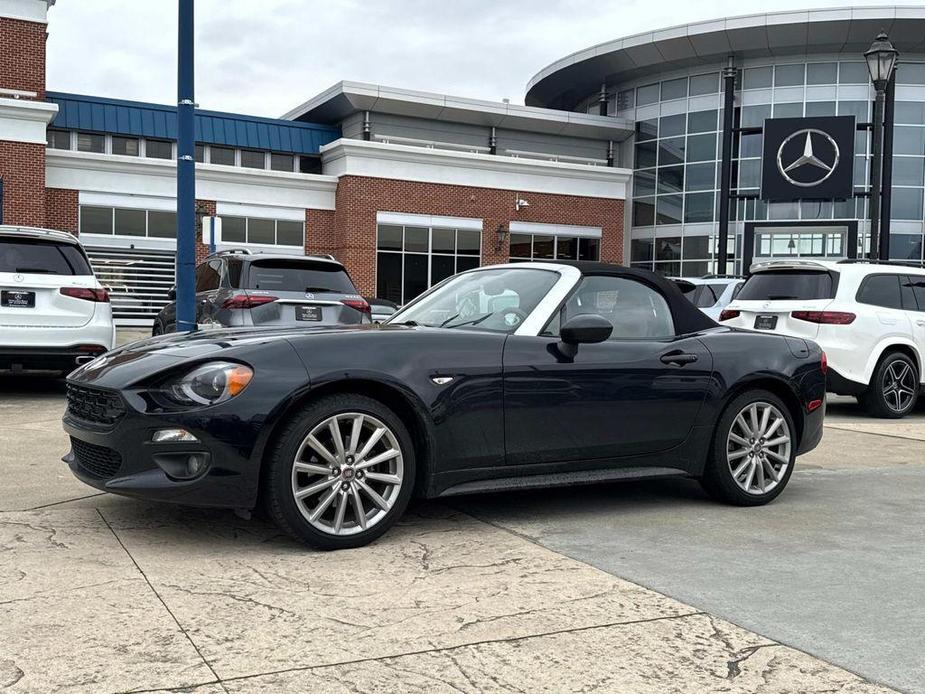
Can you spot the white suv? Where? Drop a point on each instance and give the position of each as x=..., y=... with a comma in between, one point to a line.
x=868, y=318
x=54, y=313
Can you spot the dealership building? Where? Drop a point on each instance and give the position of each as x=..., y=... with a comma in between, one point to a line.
x=617, y=156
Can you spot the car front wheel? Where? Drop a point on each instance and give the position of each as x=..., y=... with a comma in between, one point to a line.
x=893, y=389
x=341, y=472
x=754, y=449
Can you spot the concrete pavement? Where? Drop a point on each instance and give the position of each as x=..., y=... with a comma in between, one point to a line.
x=104, y=594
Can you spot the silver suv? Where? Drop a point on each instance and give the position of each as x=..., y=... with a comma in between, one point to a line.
x=237, y=289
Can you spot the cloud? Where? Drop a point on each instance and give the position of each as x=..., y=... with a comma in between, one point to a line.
x=263, y=57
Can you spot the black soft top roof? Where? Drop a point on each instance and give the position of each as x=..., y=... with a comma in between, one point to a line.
x=687, y=317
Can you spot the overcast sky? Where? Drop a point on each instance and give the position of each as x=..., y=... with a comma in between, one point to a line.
x=263, y=57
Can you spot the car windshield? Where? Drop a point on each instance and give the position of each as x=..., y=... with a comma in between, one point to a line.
x=498, y=300
x=784, y=285
x=299, y=276
x=44, y=257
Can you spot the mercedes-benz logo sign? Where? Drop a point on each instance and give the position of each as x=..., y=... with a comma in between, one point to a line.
x=818, y=160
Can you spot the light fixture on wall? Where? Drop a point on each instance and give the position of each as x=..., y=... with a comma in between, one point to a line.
x=502, y=233
x=520, y=204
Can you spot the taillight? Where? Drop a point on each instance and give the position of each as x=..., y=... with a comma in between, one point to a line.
x=813, y=405
x=824, y=364
x=98, y=295
x=361, y=305
x=727, y=314
x=248, y=300
x=826, y=317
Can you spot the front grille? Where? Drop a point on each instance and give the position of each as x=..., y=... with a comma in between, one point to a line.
x=94, y=405
x=98, y=461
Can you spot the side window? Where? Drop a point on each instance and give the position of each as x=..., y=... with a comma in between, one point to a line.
x=907, y=291
x=735, y=292
x=208, y=276
x=707, y=296
x=234, y=273
x=635, y=310
x=880, y=290
x=917, y=284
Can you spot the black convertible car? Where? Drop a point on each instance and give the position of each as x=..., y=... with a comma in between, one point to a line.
x=509, y=376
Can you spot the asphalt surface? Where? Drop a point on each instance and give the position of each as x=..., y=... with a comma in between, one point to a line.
x=835, y=566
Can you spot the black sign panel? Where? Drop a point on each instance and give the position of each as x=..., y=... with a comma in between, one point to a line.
x=808, y=158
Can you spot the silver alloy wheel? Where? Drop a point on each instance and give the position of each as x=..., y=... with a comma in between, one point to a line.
x=899, y=386
x=347, y=473
x=758, y=448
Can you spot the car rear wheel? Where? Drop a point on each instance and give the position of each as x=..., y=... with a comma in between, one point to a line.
x=341, y=472
x=893, y=389
x=754, y=449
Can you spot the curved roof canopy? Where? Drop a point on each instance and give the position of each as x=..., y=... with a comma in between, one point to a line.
x=568, y=81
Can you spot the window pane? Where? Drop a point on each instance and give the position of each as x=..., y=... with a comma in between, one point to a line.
x=282, y=162
x=467, y=242
x=221, y=155
x=415, y=275
x=158, y=149
x=589, y=249
x=698, y=207
x=520, y=245
x=253, y=159
x=466, y=263
x=696, y=247
x=441, y=267
x=908, y=140
x=907, y=203
x=261, y=231
x=704, y=84
x=858, y=109
x=908, y=247
x=674, y=89
x=310, y=165
x=200, y=153
x=853, y=73
x=59, y=139
x=701, y=176
x=753, y=116
x=669, y=126
x=701, y=147
x=647, y=95
x=911, y=73
x=289, y=233
x=668, y=249
x=910, y=112
x=668, y=209
x=671, y=179
x=820, y=108
x=750, y=173
x=543, y=247
x=644, y=212
x=443, y=240
x=162, y=225
x=389, y=237
x=388, y=276
x=908, y=171
x=671, y=151
x=643, y=183
x=880, y=290
x=234, y=230
x=416, y=239
x=821, y=73
x=645, y=154
x=793, y=110
x=566, y=248
x=788, y=75
x=126, y=146
x=641, y=249
x=701, y=121
x=95, y=220
x=646, y=130
x=756, y=77
x=130, y=222
x=89, y=142
x=750, y=145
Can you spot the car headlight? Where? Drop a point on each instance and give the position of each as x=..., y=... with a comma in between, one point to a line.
x=209, y=384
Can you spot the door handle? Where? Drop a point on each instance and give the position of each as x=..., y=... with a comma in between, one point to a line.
x=919, y=321
x=678, y=358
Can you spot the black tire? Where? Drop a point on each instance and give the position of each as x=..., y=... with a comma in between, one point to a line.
x=718, y=478
x=875, y=400
x=279, y=488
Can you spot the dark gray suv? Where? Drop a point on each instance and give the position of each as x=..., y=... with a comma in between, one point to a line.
x=237, y=289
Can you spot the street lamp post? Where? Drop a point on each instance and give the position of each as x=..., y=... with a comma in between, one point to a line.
x=881, y=60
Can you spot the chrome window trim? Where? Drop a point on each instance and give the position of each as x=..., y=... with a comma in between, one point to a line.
x=569, y=277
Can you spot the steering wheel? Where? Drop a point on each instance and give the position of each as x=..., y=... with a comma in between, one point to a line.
x=512, y=317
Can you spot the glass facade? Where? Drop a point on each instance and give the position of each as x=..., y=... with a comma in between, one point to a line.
x=676, y=153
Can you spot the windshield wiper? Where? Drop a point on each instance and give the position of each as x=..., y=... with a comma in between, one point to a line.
x=474, y=321
x=412, y=323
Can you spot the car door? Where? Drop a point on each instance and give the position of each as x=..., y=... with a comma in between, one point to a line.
x=635, y=394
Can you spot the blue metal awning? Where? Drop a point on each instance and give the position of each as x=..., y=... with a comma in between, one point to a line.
x=134, y=118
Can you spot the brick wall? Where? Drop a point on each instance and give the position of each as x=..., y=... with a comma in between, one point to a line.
x=62, y=209
x=359, y=198
x=319, y=231
x=22, y=55
x=22, y=166
x=206, y=207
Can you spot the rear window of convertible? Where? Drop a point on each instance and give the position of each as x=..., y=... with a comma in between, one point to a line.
x=783, y=285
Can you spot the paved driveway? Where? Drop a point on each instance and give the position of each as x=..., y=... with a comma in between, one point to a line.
x=104, y=594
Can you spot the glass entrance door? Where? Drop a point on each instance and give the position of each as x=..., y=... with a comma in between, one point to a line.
x=829, y=242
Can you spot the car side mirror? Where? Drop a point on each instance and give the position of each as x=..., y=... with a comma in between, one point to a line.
x=587, y=328
x=172, y=294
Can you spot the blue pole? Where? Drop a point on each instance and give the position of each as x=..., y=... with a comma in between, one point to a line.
x=212, y=234
x=186, y=174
